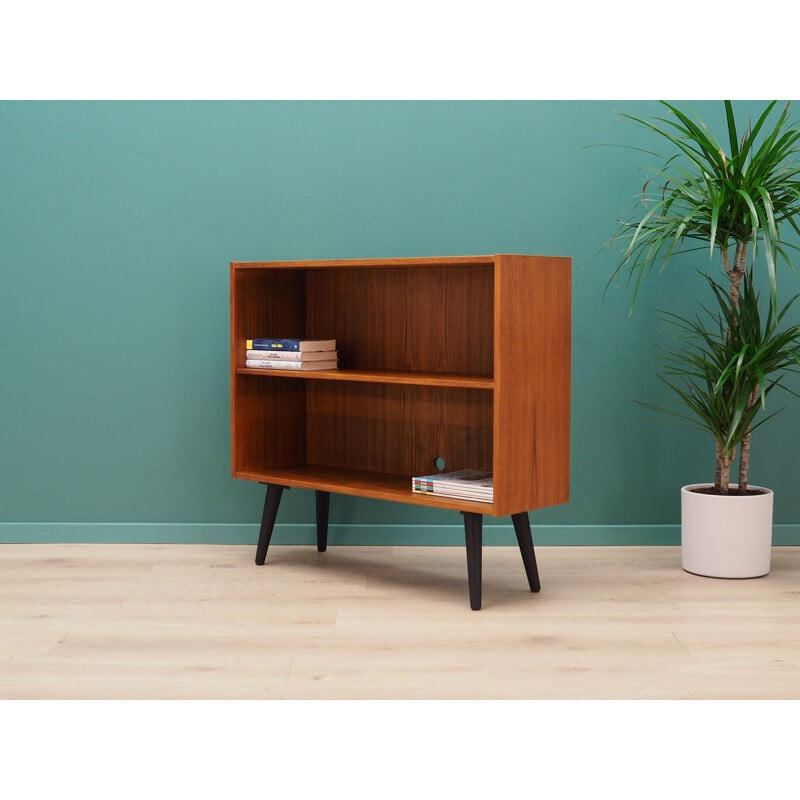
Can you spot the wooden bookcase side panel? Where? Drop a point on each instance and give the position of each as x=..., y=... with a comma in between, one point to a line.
x=398, y=430
x=403, y=319
x=532, y=382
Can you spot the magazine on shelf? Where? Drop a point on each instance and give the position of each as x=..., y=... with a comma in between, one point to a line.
x=465, y=484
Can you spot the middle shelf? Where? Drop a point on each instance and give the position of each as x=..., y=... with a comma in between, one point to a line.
x=380, y=376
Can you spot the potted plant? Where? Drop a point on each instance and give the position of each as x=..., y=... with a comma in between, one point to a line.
x=733, y=354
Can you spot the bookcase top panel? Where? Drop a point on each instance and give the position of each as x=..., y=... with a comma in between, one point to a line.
x=369, y=262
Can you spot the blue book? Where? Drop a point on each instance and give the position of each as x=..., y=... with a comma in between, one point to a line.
x=307, y=345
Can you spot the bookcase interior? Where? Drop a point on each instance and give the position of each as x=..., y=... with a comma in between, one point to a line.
x=383, y=428
x=391, y=324
x=405, y=319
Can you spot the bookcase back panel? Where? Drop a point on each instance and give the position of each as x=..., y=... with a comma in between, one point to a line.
x=435, y=319
x=398, y=429
x=266, y=303
x=269, y=424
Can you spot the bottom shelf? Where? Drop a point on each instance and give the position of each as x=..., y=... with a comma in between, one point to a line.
x=396, y=488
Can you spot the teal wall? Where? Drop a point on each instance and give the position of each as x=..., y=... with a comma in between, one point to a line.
x=117, y=223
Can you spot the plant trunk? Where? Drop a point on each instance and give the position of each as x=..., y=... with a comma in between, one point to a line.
x=744, y=463
x=744, y=452
x=736, y=272
x=722, y=480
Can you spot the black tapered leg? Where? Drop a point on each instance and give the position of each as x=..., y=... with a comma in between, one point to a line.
x=323, y=503
x=271, y=503
x=522, y=527
x=473, y=531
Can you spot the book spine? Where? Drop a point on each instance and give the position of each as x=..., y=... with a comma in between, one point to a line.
x=273, y=344
x=274, y=355
x=269, y=363
x=294, y=345
x=284, y=355
x=263, y=363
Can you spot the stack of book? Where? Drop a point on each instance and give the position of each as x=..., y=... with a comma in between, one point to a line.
x=291, y=354
x=465, y=484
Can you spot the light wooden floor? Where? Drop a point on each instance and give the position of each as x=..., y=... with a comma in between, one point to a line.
x=196, y=621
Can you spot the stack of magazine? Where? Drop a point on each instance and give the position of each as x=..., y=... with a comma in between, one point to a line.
x=291, y=354
x=465, y=484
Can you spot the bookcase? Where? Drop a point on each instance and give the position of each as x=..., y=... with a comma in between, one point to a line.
x=445, y=363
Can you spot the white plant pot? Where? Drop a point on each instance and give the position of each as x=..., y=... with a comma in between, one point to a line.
x=726, y=536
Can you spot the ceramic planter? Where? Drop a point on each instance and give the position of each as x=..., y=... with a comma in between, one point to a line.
x=726, y=536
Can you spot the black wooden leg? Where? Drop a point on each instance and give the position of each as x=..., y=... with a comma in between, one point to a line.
x=522, y=527
x=271, y=503
x=473, y=530
x=323, y=503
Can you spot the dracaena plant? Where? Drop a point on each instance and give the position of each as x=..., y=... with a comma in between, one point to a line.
x=730, y=199
x=730, y=358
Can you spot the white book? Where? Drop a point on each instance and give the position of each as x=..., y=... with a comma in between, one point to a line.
x=288, y=355
x=255, y=363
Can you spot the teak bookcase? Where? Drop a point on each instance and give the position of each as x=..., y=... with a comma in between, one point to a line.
x=463, y=359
